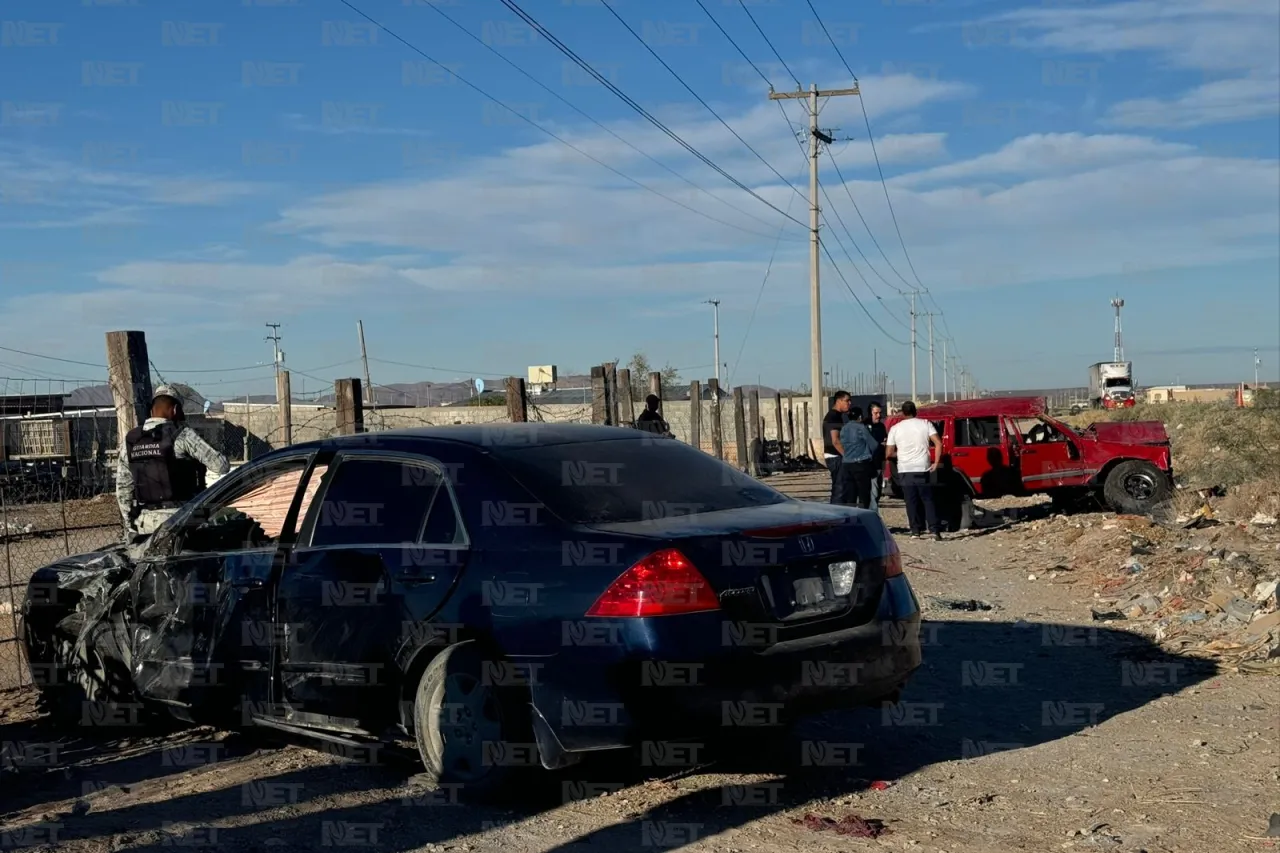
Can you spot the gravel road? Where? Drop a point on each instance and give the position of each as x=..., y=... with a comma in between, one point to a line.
x=1029, y=728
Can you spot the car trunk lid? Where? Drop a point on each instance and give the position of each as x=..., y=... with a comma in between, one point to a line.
x=783, y=571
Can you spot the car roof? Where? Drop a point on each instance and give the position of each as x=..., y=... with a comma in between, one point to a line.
x=484, y=436
x=1012, y=406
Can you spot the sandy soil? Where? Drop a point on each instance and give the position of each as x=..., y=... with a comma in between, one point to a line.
x=1029, y=728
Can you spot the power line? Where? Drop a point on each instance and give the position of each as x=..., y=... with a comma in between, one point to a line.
x=770, y=43
x=480, y=373
x=696, y=96
x=760, y=295
x=840, y=273
x=561, y=139
x=741, y=52
x=840, y=242
x=870, y=233
x=630, y=102
x=553, y=93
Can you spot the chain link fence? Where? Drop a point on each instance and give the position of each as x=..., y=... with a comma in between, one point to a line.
x=57, y=491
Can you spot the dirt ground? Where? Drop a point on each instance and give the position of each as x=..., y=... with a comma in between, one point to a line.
x=1031, y=727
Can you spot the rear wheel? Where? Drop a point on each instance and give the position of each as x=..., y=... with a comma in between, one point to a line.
x=1135, y=487
x=470, y=733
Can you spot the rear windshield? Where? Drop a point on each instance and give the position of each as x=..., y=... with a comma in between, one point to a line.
x=602, y=482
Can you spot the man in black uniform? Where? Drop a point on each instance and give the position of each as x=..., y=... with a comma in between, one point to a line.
x=162, y=466
x=832, y=450
x=650, y=419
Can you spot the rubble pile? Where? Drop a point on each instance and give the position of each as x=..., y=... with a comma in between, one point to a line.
x=1199, y=586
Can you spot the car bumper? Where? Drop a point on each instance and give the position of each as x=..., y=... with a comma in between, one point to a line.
x=614, y=697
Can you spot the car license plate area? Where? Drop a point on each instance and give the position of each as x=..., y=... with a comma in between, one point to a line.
x=806, y=591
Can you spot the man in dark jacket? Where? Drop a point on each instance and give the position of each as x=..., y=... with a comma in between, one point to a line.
x=650, y=419
x=832, y=452
x=875, y=423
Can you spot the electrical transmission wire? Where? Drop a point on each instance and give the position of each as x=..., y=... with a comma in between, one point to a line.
x=518, y=114
x=873, y=320
x=840, y=242
x=562, y=99
x=630, y=102
x=880, y=170
x=696, y=96
x=750, y=320
x=760, y=30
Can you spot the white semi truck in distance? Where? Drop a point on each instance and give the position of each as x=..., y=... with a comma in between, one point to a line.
x=1111, y=385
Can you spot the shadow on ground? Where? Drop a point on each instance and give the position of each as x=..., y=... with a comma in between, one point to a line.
x=984, y=687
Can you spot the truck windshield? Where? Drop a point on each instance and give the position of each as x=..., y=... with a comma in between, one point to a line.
x=1117, y=382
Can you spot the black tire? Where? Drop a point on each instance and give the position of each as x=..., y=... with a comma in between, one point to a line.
x=1135, y=487
x=464, y=727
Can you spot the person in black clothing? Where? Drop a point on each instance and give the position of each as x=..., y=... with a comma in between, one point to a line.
x=832, y=450
x=650, y=419
x=875, y=423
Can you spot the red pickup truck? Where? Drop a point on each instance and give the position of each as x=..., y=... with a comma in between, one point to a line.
x=1010, y=446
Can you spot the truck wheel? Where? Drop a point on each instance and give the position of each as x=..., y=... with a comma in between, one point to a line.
x=471, y=733
x=1135, y=487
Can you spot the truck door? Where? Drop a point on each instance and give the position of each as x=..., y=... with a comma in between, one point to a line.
x=982, y=454
x=1047, y=456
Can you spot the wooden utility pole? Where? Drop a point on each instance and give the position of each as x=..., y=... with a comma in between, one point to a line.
x=816, y=138
x=350, y=407
x=369, y=395
x=717, y=426
x=599, y=396
x=695, y=414
x=517, y=401
x=284, y=407
x=626, y=402
x=740, y=430
x=755, y=435
x=128, y=371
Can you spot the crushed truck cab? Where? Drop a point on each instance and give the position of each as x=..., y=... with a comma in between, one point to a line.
x=1010, y=446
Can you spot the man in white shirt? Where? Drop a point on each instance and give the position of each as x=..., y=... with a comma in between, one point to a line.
x=909, y=442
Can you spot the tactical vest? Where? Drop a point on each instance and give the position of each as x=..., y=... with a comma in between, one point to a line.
x=160, y=478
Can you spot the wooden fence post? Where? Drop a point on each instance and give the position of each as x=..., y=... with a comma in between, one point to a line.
x=791, y=425
x=611, y=389
x=717, y=426
x=599, y=396
x=517, y=401
x=755, y=437
x=695, y=414
x=804, y=416
x=655, y=385
x=350, y=406
x=626, y=402
x=129, y=372
x=740, y=430
x=284, y=406
x=777, y=416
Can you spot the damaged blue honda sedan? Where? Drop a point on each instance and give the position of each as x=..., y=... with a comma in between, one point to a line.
x=506, y=596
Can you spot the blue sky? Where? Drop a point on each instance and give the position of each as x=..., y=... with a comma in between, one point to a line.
x=197, y=170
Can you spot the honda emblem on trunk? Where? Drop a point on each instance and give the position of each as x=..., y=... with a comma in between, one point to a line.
x=806, y=544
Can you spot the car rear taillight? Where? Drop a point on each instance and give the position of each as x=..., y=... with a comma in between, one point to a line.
x=893, y=561
x=662, y=584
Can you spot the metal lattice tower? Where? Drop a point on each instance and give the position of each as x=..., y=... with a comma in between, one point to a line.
x=1117, y=304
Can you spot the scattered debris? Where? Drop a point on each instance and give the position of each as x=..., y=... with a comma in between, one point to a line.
x=970, y=604
x=850, y=825
x=880, y=785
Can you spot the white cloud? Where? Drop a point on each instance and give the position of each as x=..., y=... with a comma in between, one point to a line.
x=1050, y=153
x=1234, y=43
x=1219, y=102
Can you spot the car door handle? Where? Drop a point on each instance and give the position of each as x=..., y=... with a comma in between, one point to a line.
x=248, y=583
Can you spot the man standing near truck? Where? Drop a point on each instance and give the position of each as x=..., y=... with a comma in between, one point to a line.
x=832, y=450
x=909, y=442
x=875, y=423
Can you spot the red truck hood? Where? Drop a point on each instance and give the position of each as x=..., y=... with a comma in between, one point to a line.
x=1129, y=432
